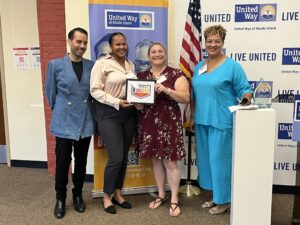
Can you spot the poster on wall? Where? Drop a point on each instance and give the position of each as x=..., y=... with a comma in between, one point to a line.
x=21, y=58
x=35, y=58
x=142, y=22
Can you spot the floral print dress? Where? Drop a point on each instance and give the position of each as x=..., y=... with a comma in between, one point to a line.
x=160, y=132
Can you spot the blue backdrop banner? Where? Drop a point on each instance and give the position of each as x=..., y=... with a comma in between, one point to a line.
x=142, y=25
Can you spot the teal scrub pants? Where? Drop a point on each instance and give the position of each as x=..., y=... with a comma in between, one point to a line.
x=214, y=161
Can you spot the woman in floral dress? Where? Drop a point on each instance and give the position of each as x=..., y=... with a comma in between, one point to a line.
x=160, y=133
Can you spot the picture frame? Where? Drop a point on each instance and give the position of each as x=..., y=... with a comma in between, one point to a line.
x=140, y=91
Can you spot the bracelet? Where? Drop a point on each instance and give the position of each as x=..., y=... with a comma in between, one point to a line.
x=168, y=91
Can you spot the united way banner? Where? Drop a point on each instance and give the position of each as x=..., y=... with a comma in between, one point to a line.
x=139, y=176
x=143, y=22
x=262, y=36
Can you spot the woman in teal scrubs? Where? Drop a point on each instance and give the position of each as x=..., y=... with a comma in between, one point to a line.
x=218, y=82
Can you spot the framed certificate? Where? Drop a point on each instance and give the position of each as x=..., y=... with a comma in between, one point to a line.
x=140, y=91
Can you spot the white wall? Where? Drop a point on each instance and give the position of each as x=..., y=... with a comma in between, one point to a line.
x=77, y=15
x=178, y=22
x=25, y=110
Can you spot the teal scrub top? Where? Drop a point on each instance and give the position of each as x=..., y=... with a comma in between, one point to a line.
x=215, y=91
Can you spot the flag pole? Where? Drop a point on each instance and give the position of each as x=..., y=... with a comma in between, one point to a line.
x=188, y=189
x=190, y=55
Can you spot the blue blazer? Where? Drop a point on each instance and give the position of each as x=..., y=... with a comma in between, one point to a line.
x=69, y=99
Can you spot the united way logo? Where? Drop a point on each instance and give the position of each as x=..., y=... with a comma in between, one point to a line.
x=285, y=130
x=129, y=20
x=263, y=89
x=268, y=12
x=255, y=12
x=262, y=92
x=145, y=20
x=141, y=90
x=291, y=56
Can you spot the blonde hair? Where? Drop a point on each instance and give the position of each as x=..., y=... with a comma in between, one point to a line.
x=215, y=30
x=156, y=43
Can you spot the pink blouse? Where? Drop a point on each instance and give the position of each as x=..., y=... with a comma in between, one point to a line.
x=108, y=80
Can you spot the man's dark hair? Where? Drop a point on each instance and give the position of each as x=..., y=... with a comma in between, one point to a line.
x=79, y=29
x=115, y=34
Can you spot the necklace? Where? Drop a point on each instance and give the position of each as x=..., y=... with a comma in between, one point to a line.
x=157, y=73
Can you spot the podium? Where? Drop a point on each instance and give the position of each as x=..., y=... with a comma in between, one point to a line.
x=252, y=166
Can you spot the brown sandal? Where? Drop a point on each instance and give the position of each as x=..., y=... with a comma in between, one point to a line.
x=158, y=200
x=172, y=209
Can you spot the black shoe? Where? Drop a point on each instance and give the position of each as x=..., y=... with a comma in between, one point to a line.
x=110, y=209
x=79, y=204
x=59, y=210
x=125, y=204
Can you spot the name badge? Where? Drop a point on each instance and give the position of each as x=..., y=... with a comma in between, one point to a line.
x=202, y=70
x=161, y=79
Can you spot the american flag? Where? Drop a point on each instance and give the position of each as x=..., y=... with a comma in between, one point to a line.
x=191, y=42
x=191, y=48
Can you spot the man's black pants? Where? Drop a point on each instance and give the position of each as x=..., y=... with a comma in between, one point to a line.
x=63, y=153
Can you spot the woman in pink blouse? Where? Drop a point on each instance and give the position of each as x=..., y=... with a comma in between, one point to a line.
x=115, y=117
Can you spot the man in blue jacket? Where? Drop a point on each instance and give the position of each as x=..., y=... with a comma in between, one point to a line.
x=68, y=94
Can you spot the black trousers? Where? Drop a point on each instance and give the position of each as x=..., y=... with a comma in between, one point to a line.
x=116, y=129
x=63, y=153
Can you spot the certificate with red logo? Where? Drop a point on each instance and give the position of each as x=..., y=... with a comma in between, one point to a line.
x=140, y=91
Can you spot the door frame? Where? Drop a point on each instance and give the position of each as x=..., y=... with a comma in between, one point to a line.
x=4, y=100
